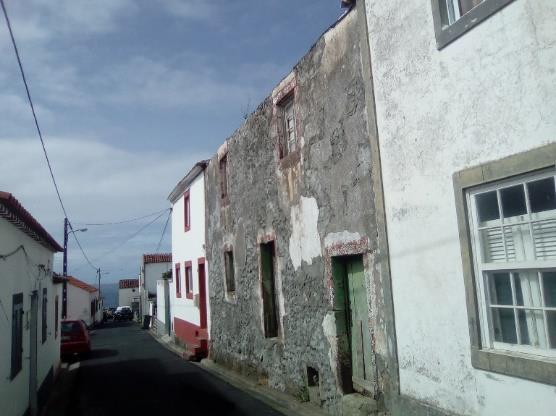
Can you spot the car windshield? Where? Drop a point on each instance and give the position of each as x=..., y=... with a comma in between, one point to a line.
x=70, y=327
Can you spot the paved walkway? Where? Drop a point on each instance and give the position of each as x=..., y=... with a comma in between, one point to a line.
x=129, y=373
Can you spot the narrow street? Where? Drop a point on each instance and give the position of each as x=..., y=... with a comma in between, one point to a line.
x=129, y=373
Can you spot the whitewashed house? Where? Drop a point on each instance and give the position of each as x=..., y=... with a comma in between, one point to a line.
x=83, y=302
x=465, y=107
x=30, y=310
x=128, y=294
x=152, y=268
x=189, y=308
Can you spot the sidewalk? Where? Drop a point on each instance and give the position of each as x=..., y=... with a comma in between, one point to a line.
x=279, y=401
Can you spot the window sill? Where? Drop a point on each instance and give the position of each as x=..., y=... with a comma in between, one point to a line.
x=178, y=295
x=514, y=364
x=446, y=34
x=290, y=160
x=189, y=295
x=186, y=229
x=230, y=297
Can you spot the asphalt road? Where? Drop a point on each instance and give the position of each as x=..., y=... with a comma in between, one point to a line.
x=129, y=373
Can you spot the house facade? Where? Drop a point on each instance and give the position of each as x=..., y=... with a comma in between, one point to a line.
x=152, y=268
x=31, y=301
x=292, y=236
x=83, y=302
x=128, y=294
x=465, y=104
x=188, y=290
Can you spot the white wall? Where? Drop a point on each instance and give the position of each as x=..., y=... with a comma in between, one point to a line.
x=160, y=301
x=127, y=296
x=153, y=272
x=21, y=274
x=79, y=304
x=188, y=246
x=489, y=94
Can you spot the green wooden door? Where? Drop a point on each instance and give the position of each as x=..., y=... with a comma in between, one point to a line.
x=358, y=318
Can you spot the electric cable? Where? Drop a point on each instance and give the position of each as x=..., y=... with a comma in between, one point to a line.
x=38, y=127
x=123, y=221
x=163, y=230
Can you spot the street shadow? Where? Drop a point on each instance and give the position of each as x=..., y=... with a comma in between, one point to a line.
x=148, y=387
x=100, y=353
x=113, y=324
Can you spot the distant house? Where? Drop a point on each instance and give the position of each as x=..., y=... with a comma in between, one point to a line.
x=189, y=287
x=152, y=269
x=83, y=301
x=30, y=310
x=128, y=293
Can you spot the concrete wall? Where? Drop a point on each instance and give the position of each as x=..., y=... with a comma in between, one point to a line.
x=188, y=246
x=313, y=203
x=485, y=96
x=79, y=304
x=21, y=273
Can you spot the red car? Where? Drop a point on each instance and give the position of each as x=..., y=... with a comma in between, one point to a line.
x=75, y=338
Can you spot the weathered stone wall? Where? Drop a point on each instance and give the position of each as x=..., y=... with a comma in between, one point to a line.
x=313, y=203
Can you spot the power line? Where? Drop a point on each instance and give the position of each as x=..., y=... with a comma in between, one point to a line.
x=38, y=127
x=124, y=221
x=163, y=230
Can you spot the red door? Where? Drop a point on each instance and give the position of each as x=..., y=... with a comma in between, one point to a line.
x=202, y=295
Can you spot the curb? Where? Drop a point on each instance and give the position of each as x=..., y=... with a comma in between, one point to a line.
x=281, y=402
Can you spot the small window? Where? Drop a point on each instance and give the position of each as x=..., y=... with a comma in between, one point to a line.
x=178, y=281
x=186, y=211
x=17, y=334
x=230, y=272
x=224, y=177
x=56, y=317
x=455, y=17
x=287, y=127
x=188, y=280
x=44, y=326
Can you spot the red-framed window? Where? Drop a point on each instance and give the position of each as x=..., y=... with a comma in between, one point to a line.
x=186, y=211
x=178, y=281
x=188, y=280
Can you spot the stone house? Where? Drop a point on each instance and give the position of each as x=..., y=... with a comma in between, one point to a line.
x=291, y=233
x=30, y=310
x=465, y=104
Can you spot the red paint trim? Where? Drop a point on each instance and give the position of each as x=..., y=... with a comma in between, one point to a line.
x=177, y=280
x=202, y=292
x=191, y=335
x=188, y=265
x=186, y=211
x=201, y=260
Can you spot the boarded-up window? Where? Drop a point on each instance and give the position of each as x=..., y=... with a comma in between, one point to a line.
x=230, y=274
x=270, y=310
x=17, y=334
x=224, y=176
x=44, y=315
x=287, y=128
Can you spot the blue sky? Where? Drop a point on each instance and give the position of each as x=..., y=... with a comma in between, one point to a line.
x=129, y=94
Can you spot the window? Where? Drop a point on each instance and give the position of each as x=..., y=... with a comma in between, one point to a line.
x=514, y=239
x=287, y=129
x=44, y=326
x=178, y=281
x=230, y=272
x=17, y=334
x=188, y=280
x=270, y=310
x=186, y=211
x=452, y=18
x=507, y=218
x=224, y=177
x=56, y=316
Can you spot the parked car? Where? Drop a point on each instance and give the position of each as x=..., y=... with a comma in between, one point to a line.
x=123, y=313
x=75, y=338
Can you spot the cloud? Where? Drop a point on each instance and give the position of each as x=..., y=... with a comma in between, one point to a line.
x=191, y=9
x=99, y=183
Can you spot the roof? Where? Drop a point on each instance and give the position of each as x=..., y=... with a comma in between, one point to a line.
x=12, y=210
x=81, y=284
x=128, y=283
x=182, y=185
x=157, y=258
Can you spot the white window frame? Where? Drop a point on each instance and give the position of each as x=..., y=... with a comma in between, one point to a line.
x=482, y=269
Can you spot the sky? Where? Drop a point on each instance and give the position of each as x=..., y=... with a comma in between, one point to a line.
x=129, y=95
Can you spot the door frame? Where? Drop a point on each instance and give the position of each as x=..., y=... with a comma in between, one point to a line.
x=33, y=352
x=203, y=306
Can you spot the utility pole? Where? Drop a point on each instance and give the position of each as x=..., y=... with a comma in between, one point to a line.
x=65, y=272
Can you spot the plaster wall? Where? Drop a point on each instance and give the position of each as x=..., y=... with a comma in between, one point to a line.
x=153, y=272
x=314, y=202
x=127, y=296
x=487, y=95
x=189, y=246
x=79, y=304
x=21, y=274
x=160, y=301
